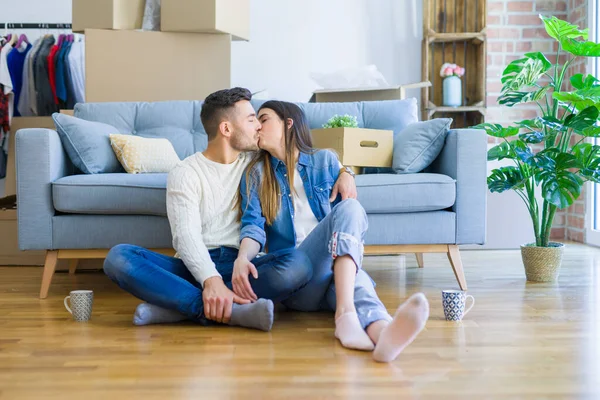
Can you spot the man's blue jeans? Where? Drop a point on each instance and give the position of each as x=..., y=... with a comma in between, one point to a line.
x=166, y=282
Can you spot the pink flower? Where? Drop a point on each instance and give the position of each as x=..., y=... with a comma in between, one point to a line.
x=448, y=71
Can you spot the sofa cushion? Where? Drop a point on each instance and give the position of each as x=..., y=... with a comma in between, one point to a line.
x=145, y=194
x=139, y=155
x=392, y=193
x=419, y=144
x=139, y=194
x=87, y=143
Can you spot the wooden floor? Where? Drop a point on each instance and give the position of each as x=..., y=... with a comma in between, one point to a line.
x=521, y=341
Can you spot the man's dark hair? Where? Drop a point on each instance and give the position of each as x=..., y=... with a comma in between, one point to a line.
x=217, y=105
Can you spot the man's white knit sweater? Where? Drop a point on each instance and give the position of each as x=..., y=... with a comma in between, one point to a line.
x=201, y=198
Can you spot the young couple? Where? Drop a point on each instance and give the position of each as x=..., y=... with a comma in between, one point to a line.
x=230, y=204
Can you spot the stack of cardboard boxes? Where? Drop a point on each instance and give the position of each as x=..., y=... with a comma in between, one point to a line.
x=187, y=60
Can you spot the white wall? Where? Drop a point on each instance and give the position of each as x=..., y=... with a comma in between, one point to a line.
x=34, y=11
x=292, y=38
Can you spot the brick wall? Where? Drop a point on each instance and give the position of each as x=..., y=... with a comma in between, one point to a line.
x=514, y=28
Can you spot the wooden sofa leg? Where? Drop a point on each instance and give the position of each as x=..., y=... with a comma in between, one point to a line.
x=49, y=268
x=73, y=265
x=455, y=261
x=420, y=260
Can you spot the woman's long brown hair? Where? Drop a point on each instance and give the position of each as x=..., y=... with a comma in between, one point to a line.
x=296, y=137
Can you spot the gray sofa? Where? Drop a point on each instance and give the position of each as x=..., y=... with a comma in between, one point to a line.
x=76, y=216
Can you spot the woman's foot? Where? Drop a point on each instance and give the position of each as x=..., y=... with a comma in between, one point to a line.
x=351, y=334
x=409, y=320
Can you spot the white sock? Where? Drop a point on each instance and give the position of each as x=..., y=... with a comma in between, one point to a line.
x=351, y=334
x=409, y=320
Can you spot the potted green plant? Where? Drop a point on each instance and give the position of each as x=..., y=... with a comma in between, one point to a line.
x=550, y=152
x=341, y=121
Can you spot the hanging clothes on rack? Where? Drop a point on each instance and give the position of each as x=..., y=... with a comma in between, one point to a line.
x=38, y=79
x=41, y=77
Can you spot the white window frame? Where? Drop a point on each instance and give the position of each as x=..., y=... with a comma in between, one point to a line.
x=592, y=236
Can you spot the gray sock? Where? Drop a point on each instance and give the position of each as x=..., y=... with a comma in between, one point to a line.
x=257, y=315
x=146, y=314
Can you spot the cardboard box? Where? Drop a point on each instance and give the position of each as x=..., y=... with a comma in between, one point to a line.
x=207, y=16
x=107, y=14
x=9, y=245
x=155, y=66
x=10, y=184
x=357, y=147
x=364, y=94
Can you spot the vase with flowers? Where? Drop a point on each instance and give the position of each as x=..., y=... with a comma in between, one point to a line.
x=452, y=86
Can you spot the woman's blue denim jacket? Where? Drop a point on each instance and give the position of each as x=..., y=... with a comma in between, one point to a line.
x=319, y=171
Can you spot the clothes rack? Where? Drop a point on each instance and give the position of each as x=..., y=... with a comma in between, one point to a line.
x=36, y=25
x=48, y=79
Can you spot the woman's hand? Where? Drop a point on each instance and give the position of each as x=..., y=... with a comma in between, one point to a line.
x=242, y=268
x=345, y=186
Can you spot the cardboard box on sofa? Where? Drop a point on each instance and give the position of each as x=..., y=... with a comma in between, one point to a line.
x=357, y=147
x=155, y=66
x=364, y=94
x=207, y=16
x=107, y=14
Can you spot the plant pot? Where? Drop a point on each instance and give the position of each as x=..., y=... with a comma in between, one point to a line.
x=542, y=264
x=452, y=91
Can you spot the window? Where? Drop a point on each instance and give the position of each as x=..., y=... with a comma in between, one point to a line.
x=593, y=192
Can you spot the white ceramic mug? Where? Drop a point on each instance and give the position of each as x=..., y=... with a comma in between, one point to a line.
x=454, y=304
x=81, y=304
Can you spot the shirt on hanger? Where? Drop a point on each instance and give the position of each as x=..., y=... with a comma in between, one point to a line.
x=16, y=61
x=32, y=103
x=7, y=101
x=23, y=104
x=77, y=68
x=52, y=70
x=61, y=84
x=44, y=95
x=4, y=112
x=69, y=79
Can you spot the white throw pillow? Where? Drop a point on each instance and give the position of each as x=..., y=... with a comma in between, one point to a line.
x=144, y=155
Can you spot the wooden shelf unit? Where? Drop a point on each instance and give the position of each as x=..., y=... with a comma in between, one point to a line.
x=454, y=31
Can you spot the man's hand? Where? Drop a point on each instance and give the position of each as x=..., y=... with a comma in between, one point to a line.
x=218, y=300
x=240, y=282
x=345, y=186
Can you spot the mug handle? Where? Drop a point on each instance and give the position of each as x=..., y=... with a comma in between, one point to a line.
x=65, y=301
x=472, y=304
